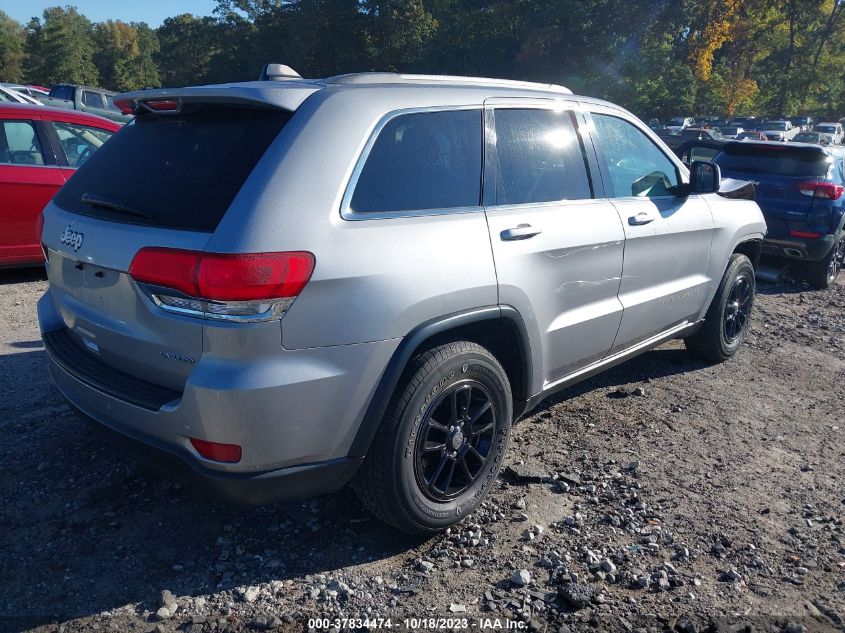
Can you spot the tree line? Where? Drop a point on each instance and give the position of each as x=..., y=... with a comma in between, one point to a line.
x=656, y=57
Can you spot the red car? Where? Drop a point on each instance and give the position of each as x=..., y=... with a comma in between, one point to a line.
x=40, y=148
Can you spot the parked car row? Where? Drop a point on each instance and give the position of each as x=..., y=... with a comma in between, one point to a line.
x=73, y=97
x=775, y=130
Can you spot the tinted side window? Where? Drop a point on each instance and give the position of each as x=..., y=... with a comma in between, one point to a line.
x=540, y=157
x=79, y=142
x=19, y=144
x=637, y=167
x=93, y=99
x=429, y=160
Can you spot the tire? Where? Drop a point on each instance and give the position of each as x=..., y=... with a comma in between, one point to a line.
x=398, y=481
x=823, y=274
x=725, y=324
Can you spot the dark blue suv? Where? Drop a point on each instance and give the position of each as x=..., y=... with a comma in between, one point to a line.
x=800, y=189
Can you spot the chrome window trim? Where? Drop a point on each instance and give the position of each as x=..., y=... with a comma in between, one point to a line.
x=346, y=211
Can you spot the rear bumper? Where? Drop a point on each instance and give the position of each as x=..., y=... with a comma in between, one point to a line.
x=296, y=482
x=293, y=412
x=796, y=248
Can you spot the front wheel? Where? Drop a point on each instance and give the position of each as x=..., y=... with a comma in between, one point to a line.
x=824, y=273
x=727, y=320
x=441, y=443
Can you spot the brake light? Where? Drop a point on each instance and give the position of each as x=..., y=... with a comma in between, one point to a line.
x=805, y=234
x=218, y=452
x=825, y=190
x=163, y=105
x=125, y=105
x=252, y=286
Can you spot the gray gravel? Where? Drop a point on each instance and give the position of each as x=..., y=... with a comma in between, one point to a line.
x=664, y=495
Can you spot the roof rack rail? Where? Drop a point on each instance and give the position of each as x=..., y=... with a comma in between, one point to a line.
x=385, y=77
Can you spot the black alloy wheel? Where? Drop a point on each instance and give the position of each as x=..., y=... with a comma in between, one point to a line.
x=836, y=261
x=738, y=307
x=455, y=440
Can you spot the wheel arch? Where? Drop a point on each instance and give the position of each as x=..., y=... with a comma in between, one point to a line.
x=500, y=329
x=751, y=248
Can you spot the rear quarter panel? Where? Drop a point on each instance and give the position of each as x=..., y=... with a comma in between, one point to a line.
x=374, y=279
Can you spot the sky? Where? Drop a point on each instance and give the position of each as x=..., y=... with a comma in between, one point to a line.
x=153, y=12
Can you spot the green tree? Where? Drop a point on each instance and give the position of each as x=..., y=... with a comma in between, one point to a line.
x=146, y=71
x=67, y=46
x=11, y=49
x=187, y=45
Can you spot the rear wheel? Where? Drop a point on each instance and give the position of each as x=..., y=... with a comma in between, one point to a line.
x=441, y=443
x=823, y=274
x=727, y=319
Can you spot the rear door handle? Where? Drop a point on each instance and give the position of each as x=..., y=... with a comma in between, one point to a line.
x=640, y=219
x=519, y=232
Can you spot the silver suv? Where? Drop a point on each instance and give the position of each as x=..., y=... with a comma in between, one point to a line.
x=281, y=287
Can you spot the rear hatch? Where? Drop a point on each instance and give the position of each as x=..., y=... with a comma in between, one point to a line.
x=781, y=173
x=165, y=180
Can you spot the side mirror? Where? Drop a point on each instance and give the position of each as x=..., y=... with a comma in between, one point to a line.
x=704, y=177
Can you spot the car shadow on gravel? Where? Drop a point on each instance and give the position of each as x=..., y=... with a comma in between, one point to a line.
x=86, y=527
x=658, y=363
x=22, y=275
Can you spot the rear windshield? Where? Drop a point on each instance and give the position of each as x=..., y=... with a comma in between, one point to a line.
x=779, y=160
x=174, y=171
x=830, y=129
x=62, y=92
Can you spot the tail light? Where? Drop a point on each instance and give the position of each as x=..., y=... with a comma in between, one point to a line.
x=228, y=287
x=805, y=234
x=825, y=190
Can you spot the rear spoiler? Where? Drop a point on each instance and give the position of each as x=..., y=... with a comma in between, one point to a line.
x=756, y=148
x=287, y=95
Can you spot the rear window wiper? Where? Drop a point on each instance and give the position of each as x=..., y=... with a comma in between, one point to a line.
x=95, y=200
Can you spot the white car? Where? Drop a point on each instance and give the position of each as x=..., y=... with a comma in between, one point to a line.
x=832, y=129
x=13, y=96
x=30, y=91
x=779, y=130
x=678, y=123
x=732, y=131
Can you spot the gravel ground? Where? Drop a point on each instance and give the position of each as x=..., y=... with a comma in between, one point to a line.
x=662, y=495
